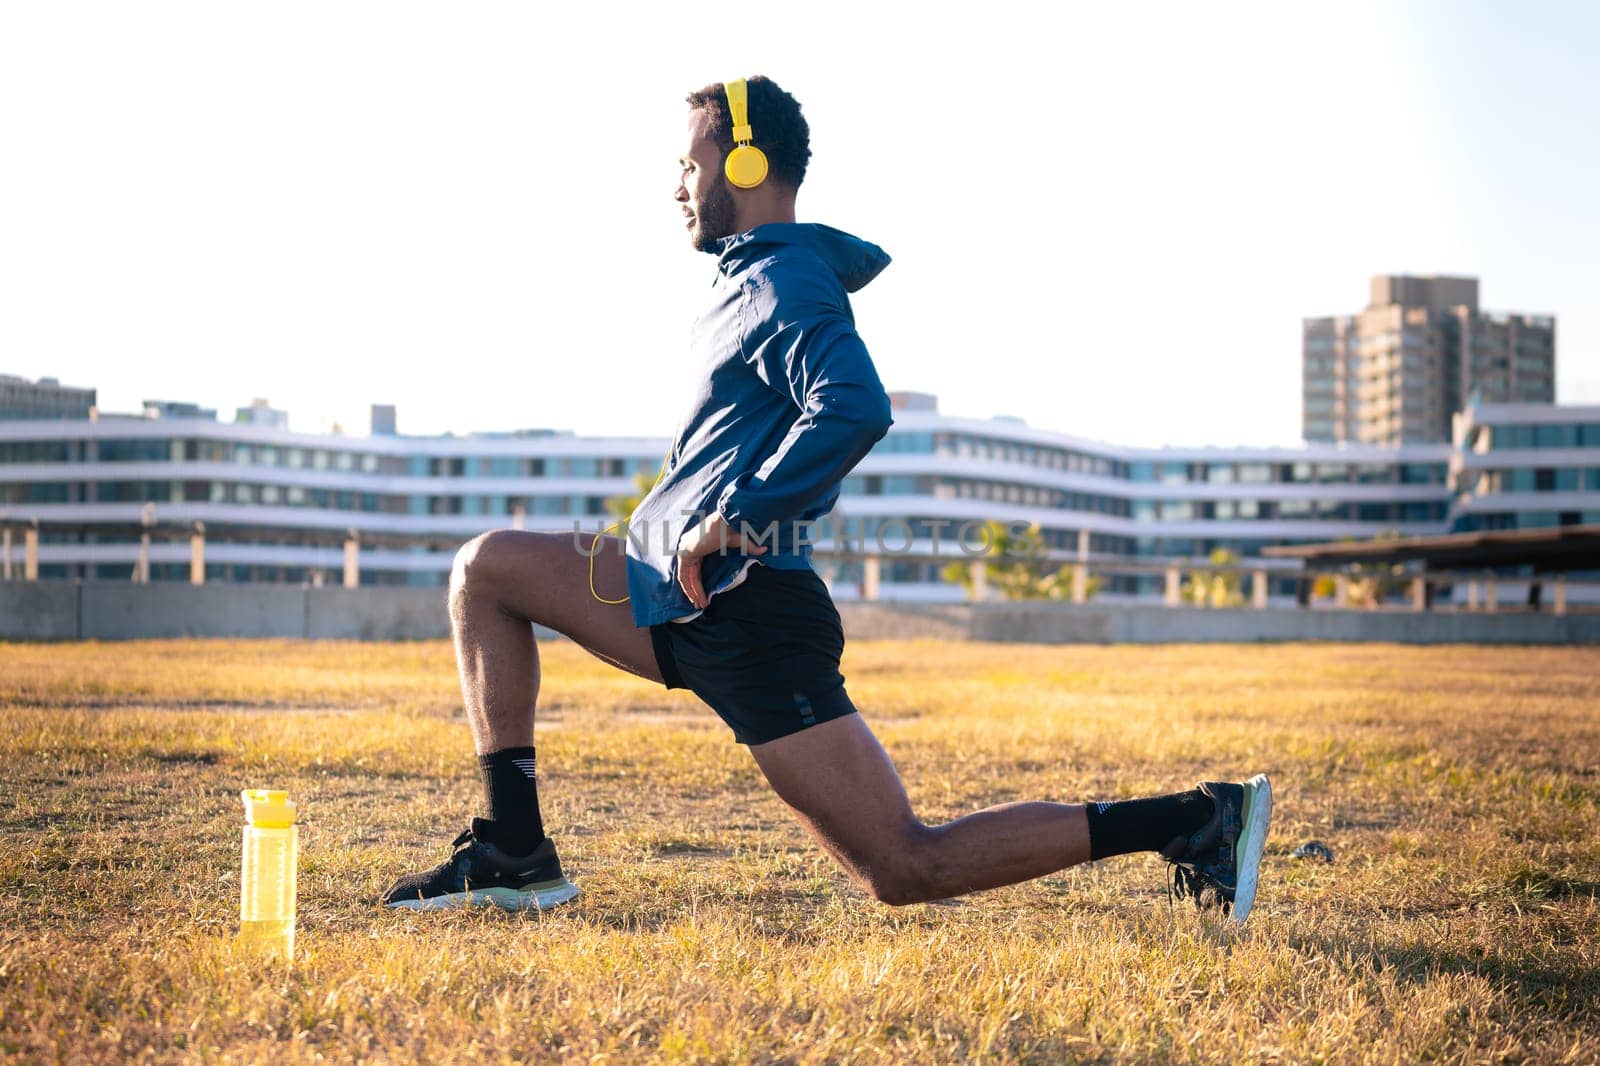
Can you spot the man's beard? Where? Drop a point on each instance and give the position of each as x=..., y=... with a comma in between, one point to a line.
x=714, y=220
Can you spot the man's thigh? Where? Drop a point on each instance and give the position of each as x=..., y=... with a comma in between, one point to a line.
x=547, y=578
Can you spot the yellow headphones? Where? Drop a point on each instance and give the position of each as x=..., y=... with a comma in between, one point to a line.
x=746, y=165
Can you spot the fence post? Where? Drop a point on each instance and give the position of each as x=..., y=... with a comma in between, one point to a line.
x=869, y=577
x=197, y=554
x=352, y=560
x=1080, y=572
x=141, y=569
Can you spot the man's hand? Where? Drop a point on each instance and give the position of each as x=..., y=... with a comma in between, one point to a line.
x=711, y=535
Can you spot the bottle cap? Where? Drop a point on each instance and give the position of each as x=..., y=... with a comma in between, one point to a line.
x=268, y=808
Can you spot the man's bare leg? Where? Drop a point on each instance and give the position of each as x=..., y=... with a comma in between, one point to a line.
x=505, y=581
x=502, y=583
x=844, y=789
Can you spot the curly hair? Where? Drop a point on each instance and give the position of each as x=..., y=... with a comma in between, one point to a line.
x=780, y=129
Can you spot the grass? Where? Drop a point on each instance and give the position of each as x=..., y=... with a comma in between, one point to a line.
x=1458, y=787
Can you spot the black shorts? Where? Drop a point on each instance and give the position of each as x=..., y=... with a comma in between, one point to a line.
x=764, y=655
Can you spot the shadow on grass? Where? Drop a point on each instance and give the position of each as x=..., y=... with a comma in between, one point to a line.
x=1571, y=992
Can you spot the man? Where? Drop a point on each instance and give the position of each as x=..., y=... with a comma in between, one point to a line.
x=721, y=597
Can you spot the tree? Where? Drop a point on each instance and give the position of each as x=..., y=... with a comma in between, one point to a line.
x=1016, y=562
x=1216, y=588
x=1373, y=583
x=1366, y=584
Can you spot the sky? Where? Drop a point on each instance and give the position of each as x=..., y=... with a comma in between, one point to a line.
x=1108, y=220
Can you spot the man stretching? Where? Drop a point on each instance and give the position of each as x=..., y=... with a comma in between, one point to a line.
x=721, y=598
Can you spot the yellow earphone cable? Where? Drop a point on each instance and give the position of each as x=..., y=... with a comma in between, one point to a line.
x=594, y=545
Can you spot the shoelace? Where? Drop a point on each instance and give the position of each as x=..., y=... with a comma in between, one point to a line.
x=1190, y=883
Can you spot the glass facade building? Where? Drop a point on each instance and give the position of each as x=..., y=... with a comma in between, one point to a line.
x=1525, y=466
x=277, y=505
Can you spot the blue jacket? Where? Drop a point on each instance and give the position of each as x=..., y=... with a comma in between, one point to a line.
x=787, y=403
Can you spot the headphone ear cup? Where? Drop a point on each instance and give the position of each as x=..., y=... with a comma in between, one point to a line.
x=746, y=166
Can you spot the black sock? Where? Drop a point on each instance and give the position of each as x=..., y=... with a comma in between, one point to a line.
x=1146, y=824
x=513, y=797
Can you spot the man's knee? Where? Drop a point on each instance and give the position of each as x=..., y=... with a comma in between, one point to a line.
x=477, y=561
x=898, y=874
x=468, y=561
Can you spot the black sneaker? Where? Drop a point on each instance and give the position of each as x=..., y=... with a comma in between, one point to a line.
x=480, y=874
x=1218, y=863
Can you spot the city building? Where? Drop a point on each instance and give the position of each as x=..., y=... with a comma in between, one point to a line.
x=384, y=421
x=176, y=409
x=45, y=398
x=1398, y=371
x=277, y=505
x=1525, y=466
x=261, y=413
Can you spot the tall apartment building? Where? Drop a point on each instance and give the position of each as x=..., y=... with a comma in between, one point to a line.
x=1398, y=371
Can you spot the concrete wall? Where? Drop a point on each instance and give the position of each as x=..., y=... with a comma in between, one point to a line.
x=902, y=621
x=39, y=610
x=111, y=610
x=114, y=611
x=70, y=610
x=1127, y=624
x=376, y=614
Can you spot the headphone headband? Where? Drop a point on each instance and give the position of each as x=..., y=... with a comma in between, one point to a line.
x=739, y=110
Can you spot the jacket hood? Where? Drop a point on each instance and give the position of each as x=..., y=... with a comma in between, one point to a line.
x=853, y=261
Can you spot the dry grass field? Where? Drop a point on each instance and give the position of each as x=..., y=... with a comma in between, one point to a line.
x=1458, y=787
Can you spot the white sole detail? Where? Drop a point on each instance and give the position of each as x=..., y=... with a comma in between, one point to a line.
x=540, y=897
x=1256, y=819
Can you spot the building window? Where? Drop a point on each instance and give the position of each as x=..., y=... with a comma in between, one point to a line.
x=1555, y=436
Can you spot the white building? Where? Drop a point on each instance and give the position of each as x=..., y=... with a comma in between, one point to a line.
x=277, y=505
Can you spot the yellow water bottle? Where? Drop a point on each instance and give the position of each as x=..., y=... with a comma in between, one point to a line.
x=267, y=880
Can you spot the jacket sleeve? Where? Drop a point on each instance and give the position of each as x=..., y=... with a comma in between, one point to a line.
x=814, y=356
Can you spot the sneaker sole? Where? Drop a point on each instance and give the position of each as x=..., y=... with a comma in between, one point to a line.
x=1255, y=820
x=540, y=897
